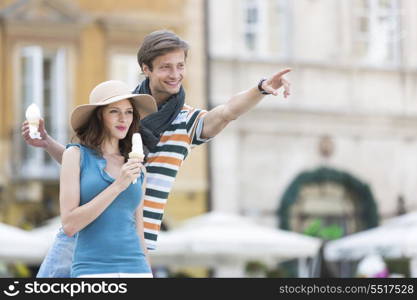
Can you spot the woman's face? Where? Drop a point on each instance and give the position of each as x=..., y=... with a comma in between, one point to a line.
x=117, y=118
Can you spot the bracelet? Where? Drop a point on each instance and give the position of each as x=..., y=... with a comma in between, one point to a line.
x=263, y=92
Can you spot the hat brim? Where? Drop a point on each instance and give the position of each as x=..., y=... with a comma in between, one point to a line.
x=145, y=104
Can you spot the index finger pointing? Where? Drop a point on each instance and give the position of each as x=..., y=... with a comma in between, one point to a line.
x=283, y=72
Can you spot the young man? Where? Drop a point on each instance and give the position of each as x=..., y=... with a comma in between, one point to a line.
x=168, y=135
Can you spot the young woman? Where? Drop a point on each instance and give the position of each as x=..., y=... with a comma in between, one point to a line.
x=99, y=202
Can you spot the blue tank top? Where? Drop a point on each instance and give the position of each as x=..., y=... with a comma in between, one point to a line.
x=109, y=244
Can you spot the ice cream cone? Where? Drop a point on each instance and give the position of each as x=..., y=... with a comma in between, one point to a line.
x=33, y=129
x=137, y=149
x=136, y=155
x=33, y=116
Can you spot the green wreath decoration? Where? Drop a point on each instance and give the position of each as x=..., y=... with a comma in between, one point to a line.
x=367, y=204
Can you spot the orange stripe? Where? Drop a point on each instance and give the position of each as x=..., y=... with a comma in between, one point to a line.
x=152, y=226
x=176, y=137
x=165, y=160
x=153, y=204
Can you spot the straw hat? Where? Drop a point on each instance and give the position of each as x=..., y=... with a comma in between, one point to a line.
x=109, y=92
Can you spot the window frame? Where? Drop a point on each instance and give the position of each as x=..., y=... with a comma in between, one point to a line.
x=265, y=42
x=36, y=165
x=372, y=42
x=258, y=28
x=134, y=74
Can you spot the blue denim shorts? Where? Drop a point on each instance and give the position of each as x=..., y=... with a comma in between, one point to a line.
x=58, y=260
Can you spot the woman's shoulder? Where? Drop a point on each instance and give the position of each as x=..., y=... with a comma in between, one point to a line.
x=73, y=146
x=82, y=153
x=72, y=151
x=75, y=152
x=78, y=147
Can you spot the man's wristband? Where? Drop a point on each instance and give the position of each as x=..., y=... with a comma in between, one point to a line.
x=263, y=92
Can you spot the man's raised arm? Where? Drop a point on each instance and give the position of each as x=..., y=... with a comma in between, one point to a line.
x=54, y=149
x=217, y=118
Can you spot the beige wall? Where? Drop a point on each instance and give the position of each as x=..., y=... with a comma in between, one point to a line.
x=126, y=6
x=4, y=110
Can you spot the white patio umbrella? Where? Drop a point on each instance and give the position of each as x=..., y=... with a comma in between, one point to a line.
x=48, y=231
x=394, y=239
x=218, y=238
x=411, y=244
x=19, y=245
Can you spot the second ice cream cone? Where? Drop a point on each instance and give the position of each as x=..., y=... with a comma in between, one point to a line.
x=136, y=155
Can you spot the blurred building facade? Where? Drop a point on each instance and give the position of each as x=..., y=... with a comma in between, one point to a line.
x=342, y=148
x=53, y=52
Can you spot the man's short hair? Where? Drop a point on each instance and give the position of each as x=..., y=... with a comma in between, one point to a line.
x=159, y=43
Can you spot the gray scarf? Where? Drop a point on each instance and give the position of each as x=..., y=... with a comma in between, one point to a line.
x=153, y=126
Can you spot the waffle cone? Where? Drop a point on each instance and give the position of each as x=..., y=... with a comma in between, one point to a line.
x=34, y=123
x=135, y=155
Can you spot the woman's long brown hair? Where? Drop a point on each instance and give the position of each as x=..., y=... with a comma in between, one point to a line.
x=92, y=133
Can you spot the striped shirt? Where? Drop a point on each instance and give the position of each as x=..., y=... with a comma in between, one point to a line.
x=163, y=164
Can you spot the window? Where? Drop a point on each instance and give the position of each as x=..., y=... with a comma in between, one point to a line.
x=265, y=27
x=42, y=80
x=377, y=31
x=252, y=28
x=279, y=27
x=125, y=67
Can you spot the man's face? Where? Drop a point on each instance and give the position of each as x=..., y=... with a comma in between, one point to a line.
x=167, y=74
